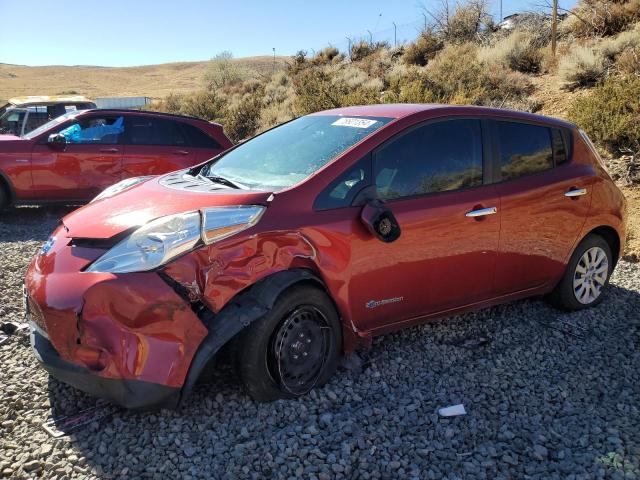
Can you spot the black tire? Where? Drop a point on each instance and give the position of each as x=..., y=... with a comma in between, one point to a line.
x=4, y=198
x=564, y=295
x=264, y=347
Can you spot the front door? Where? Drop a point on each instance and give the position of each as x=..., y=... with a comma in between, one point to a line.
x=89, y=162
x=431, y=178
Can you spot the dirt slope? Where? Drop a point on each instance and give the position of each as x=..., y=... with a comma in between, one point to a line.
x=150, y=80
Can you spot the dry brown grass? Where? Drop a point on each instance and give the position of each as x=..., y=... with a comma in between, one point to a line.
x=153, y=81
x=632, y=247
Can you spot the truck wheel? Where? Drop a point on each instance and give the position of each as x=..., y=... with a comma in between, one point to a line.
x=586, y=276
x=292, y=349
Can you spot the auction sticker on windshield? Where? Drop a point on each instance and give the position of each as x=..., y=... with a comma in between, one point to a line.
x=354, y=122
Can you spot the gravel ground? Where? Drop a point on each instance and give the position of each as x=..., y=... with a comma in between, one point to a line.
x=543, y=401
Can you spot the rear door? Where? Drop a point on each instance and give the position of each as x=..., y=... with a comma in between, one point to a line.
x=155, y=146
x=90, y=162
x=545, y=200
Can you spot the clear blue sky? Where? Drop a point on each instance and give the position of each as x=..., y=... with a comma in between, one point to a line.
x=139, y=32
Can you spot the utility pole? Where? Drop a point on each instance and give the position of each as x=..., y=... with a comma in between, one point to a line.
x=501, y=18
x=425, y=21
x=554, y=27
x=395, y=34
x=370, y=37
x=274, y=59
x=349, y=40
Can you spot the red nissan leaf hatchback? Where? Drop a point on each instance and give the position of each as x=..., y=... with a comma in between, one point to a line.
x=77, y=155
x=308, y=240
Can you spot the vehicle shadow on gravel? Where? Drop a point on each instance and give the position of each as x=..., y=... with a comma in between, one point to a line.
x=548, y=394
x=31, y=223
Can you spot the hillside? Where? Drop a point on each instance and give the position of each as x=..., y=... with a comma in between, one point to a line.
x=153, y=81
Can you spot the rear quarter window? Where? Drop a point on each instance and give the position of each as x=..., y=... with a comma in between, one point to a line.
x=197, y=138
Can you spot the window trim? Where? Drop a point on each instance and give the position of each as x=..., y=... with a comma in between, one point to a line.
x=495, y=160
x=487, y=144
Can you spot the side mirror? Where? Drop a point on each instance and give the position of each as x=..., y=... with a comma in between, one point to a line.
x=57, y=141
x=380, y=221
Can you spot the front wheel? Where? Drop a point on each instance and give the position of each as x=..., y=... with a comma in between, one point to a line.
x=292, y=349
x=586, y=276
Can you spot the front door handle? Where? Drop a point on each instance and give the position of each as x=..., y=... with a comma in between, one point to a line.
x=481, y=212
x=181, y=152
x=575, y=192
x=109, y=150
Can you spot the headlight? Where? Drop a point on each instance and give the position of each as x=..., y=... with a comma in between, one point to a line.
x=119, y=187
x=166, y=238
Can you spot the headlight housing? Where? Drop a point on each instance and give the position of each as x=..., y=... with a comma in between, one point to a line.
x=119, y=187
x=165, y=238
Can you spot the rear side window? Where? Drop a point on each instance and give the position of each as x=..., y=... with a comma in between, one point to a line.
x=155, y=131
x=436, y=157
x=524, y=149
x=197, y=138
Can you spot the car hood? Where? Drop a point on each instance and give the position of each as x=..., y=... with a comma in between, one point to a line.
x=146, y=201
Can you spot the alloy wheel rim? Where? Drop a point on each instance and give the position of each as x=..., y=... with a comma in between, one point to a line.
x=590, y=275
x=299, y=350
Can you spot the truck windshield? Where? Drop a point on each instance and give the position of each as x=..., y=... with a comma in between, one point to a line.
x=290, y=153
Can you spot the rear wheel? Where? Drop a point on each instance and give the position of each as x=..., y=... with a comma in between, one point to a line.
x=586, y=276
x=292, y=349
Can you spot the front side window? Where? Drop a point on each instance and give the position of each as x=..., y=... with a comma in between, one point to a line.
x=524, y=149
x=49, y=126
x=155, y=131
x=432, y=158
x=102, y=130
x=290, y=153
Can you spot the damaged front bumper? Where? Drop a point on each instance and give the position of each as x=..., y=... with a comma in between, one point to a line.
x=133, y=394
x=129, y=338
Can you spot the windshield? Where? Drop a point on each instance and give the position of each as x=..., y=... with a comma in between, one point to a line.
x=291, y=152
x=50, y=124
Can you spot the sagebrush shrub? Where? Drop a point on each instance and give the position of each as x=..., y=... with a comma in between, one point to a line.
x=600, y=18
x=610, y=114
x=243, y=120
x=422, y=50
x=582, y=67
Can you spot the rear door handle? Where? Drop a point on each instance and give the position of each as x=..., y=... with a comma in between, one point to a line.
x=181, y=152
x=575, y=192
x=109, y=150
x=481, y=212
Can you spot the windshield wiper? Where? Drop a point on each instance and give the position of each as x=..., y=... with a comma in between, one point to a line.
x=222, y=181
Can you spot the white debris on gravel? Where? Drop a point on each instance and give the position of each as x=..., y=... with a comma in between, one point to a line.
x=546, y=404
